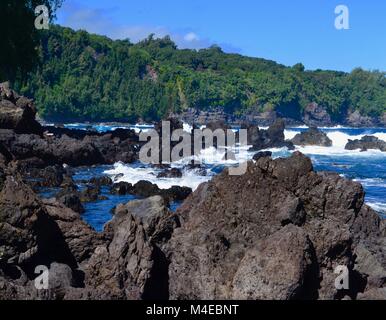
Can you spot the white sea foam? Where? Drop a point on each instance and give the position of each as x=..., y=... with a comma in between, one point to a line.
x=210, y=157
x=378, y=206
x=339, y=127
x=187, y=127
x=276, y=152
x=340, y=151
x=380, y=135
x=127, y=173
x=372, y=182
x=300, y=127
x=339, y=140
x=141, y=127
x=290, y=134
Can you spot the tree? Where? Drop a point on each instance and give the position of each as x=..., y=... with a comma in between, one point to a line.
x=298, y=67
x=19, y=37
x=89, y=77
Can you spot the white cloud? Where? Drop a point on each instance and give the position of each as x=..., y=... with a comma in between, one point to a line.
x=191, y=36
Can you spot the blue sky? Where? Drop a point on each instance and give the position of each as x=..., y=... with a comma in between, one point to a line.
x=285, y=31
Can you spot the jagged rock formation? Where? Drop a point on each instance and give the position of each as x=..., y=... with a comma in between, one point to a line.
x=355, y=119
x=367, y=142
x=312, y=137
x=277, y=232
x=23, y=138
x=132, y=264
x=273, y=137
x=50, y=150
x=316, y=115
x=145, y=189
x=36, y=234
x=17, y=112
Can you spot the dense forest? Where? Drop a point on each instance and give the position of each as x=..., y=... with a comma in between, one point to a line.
x=19, y=36
x=82, y=76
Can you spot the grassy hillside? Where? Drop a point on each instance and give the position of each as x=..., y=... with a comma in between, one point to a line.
x=89, y=77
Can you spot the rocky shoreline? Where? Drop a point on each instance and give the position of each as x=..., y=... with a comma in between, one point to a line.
x=277, y=232
x=314, y=115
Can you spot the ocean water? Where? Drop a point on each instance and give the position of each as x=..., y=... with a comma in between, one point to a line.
x=104, y=127
x=368, y=168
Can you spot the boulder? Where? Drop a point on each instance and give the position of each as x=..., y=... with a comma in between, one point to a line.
x=5, y=155
x=79, y=237
x=265, y=118
x=312, y=137
x=175, y=193
x=75, y=153
x=121, y=188
x=261, y=154
x=101, y=181
x=120, y=145
x=132, y=265
x=198, y=169
x=365, y=143
x=144, y=189
x=51, y=150
x=260, y=274
x=170, y=173
x=17, y=113
x=30, y=237
x=61, y=277
x=71, y=200
x=238, y=234
x=90, y=194
x=75, y=149
x=51, y=176
x=273, y=137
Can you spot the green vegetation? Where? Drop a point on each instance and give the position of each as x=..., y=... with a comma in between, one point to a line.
x=89, y=77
